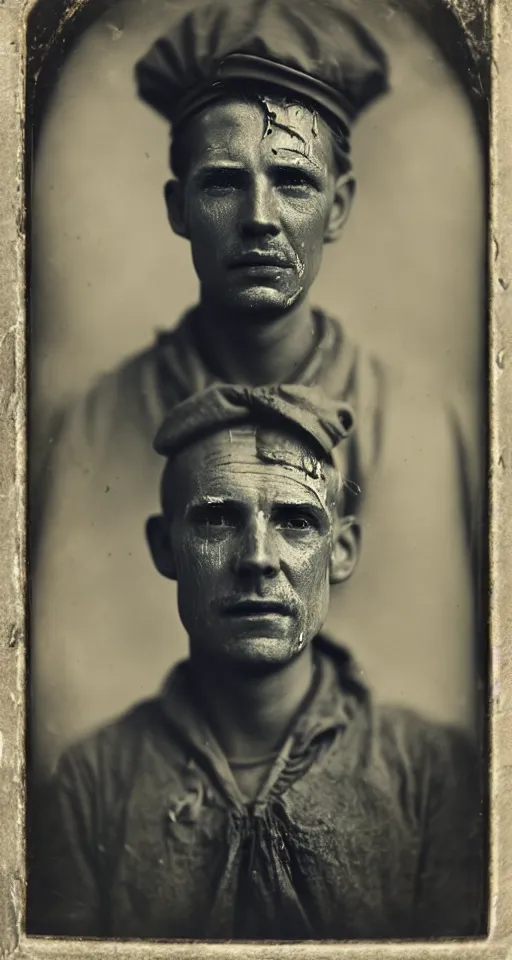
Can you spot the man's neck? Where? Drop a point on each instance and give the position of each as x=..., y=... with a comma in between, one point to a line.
x=251, y=714
x=254, y=352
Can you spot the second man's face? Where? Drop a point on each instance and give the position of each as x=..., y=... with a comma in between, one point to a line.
x=256, y=202
x=252, y=544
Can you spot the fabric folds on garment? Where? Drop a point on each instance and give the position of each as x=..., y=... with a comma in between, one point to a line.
x=368, y=826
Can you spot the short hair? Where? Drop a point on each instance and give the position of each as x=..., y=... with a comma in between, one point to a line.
x=178, y=154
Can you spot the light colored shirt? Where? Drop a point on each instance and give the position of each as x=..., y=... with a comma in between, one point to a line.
x=105, y=625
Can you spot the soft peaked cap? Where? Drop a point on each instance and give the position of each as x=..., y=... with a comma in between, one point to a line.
x=309, y=50
x=315, y=419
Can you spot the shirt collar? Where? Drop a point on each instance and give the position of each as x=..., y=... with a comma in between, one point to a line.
x=183, y=370
x=338, y=699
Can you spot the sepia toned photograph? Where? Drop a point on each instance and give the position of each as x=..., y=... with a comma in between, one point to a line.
x=258, y=314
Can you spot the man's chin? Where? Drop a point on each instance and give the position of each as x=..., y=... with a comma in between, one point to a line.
x=262, y=304
x=262, y=654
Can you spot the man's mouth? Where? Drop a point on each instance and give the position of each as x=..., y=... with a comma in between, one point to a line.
x=260, y=260
x=257, y=608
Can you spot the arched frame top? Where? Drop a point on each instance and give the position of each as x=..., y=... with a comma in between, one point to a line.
x=460, y=29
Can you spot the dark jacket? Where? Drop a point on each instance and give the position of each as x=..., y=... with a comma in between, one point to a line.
x=368, y=826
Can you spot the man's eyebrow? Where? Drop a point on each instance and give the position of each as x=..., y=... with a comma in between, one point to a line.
x=204, y=169
x=301, y=162
x=306, y=506
x=199, y=503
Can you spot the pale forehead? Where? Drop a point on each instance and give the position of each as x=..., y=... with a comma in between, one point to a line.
x=234, y=130
x=251, y=466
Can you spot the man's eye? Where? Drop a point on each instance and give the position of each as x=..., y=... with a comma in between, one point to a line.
x=221, y=181
x=214, y=517
x=293, y=180
x=300, y=522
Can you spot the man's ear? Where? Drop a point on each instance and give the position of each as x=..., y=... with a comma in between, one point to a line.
x=345, y=550
x=157, y=535
x=341, y=206
x=175, y=203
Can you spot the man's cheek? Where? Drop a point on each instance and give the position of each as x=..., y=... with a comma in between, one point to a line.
x=308, y=567
x=319, y=589
x=212, y=222
x=204, y=564
x=316, y=592
x=206, y=242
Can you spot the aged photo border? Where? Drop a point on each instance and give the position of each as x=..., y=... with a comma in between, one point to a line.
x=14, y=201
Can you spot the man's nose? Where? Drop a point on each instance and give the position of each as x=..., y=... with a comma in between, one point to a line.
x=260, y=216
x=257, y=555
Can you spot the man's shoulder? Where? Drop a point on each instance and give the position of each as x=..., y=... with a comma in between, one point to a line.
x=126, y=393
x=396, y=404
x=111, y=749
x=130, y=395
x=368, y=370
x=405, y=737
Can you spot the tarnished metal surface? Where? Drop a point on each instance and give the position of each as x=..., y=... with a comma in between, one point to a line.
x=50, y=21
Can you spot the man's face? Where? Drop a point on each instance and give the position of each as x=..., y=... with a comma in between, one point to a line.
x=256, y=201
x=252, y=542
